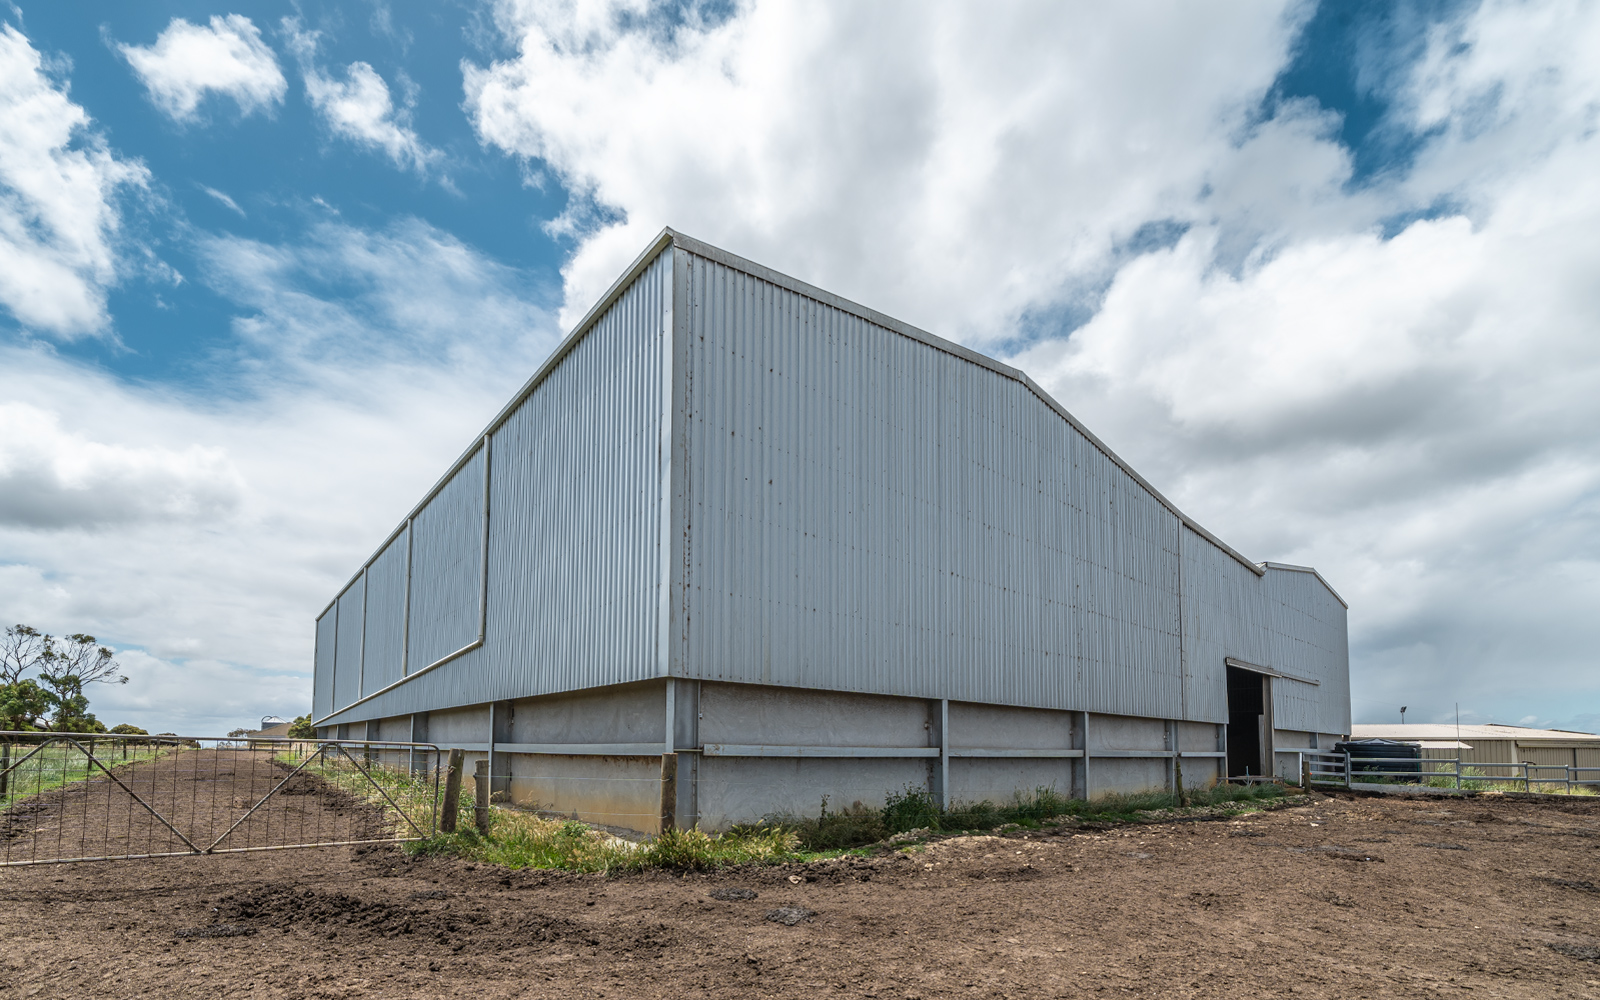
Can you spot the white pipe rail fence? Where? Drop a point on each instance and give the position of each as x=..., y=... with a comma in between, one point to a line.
x=1343, y=769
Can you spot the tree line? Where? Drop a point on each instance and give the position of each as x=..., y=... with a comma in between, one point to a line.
x=43, y=680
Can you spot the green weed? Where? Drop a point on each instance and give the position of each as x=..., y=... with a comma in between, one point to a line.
x=913, y=808
x=524, y=840
x=31, y=770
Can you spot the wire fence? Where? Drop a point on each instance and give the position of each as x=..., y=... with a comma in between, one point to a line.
x=1449, y=772
x=83, y=797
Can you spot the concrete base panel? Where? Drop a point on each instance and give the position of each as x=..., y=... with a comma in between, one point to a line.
x=1002, y=780
x=793, y=736
x=745, y=789
x=628, y=714
x=609, y=791
x=1128, y=775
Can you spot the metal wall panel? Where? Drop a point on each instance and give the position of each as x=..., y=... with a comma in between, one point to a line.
x=1224, y=615
x=871, y=513
x=1307, y=636
x=347, y=655
x=575, y=567
x=322, y=676
x=574, y=530
x=447, y=568
x=385, y=608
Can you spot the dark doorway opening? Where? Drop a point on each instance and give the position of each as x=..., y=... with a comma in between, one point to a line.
x=1246, y=705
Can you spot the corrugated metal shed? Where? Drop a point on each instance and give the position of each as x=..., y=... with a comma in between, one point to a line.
x=571, y=596
x=726, y=474
x=871, y=513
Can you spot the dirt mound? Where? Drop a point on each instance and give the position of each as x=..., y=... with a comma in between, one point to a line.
x=331, y=914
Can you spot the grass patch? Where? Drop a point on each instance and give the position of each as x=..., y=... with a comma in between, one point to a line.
x=914, y=809
x=1474, y=779
x=523, y=840
x=61, y=764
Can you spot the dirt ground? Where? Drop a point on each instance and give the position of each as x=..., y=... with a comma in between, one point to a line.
x=202, y=794
x=1346, y=897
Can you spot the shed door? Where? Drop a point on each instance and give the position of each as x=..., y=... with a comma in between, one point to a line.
x=1249, y=725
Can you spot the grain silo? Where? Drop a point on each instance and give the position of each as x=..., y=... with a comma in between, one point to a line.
x=746, y=540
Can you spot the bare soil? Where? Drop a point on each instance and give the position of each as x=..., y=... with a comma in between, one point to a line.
x=1345, y=897
x=203, y=798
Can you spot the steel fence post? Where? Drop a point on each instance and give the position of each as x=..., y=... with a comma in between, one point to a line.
x=1349, y=782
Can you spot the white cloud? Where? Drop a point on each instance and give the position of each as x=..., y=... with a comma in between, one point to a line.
x=201, y=532
x=59, y=219
x=360, y=107
x=51, y=478
x=189, y=60
x=869, y=147
x=223, y=200
x=1414, y=415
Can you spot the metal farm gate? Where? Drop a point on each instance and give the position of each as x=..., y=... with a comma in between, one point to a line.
x=91, y=797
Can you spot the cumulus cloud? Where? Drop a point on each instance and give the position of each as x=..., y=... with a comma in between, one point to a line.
x=188, y=61
x=1393, y=378
x=359, y=107
x=873, y=147
x=52, y=478
x=344, y=294
x=255, y=496
x=59, y=186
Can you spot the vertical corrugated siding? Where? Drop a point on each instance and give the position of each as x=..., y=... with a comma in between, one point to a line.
x=869, y=513
x=385, y=606
x=1224, y=615
x=322, y=676
x=347, y=666
x=1306, y=634
x=574, y=565
x=447, y=567
x=574, y=526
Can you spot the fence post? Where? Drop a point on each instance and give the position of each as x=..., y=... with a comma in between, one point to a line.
x=669, y=791
x=480, y=796
x=1349, y=782
x=1177, y=780
x=1305, y=774
x=5, y=767
x=452, y=793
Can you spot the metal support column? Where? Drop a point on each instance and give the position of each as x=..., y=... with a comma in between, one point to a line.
x=939, y=736
x=501, y=715
x=1088, y=789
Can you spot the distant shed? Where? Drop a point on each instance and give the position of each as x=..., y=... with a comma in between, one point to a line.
x=1484, y=745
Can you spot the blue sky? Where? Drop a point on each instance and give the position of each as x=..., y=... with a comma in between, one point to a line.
x=1319, y=271
x=283, y=168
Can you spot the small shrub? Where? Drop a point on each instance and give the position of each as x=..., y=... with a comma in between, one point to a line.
x=910, y=809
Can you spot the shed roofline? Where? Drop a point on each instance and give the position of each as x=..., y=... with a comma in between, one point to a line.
x=669, y=237
x=1308, y=569
x=765, y=273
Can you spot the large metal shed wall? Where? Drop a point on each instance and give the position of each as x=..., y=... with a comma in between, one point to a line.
x=727, y=478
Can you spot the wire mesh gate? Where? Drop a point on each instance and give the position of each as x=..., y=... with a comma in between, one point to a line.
x=89, y=797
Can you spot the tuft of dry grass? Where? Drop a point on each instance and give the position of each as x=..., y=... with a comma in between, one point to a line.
x=523, y=840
